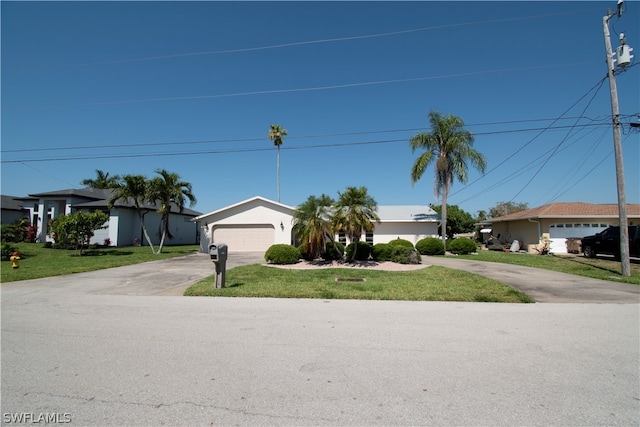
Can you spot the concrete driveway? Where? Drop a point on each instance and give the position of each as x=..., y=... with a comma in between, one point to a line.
x=102, y=349
x=171, y=277
x=544, y=285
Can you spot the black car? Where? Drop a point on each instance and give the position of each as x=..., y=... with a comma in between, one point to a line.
x=607, y=242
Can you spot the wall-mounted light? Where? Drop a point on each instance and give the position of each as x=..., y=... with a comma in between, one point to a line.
x=281, y=226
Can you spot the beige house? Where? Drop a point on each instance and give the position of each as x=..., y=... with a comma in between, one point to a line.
x=557, y=221
x=255, y=224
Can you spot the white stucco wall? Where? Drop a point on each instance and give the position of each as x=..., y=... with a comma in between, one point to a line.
x=413, y=232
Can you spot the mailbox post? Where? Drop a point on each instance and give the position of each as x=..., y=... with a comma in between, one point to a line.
x=218, y=253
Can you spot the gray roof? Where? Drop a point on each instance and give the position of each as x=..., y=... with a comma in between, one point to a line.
x=404, y=213
x=89, y=193
x=97, y=199
x=11, y=203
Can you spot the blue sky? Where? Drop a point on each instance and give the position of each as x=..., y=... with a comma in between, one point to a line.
x=192, y=87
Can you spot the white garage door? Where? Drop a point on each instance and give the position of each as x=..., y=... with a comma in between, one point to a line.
x=245, y=238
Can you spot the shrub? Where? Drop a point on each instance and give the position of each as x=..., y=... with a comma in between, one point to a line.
x=6, y=251
x=47, y=245
x=362, y=252
x=333, y=251
x=401, y=242
x=106, y=242
x=282, y=254
x=430, y=246
x=32, y=233
x=404, y=255
x=462, y=246
x=304, y=253
x=381, y=252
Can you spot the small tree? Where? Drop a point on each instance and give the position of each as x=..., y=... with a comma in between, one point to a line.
x=79, y=227
x=355, y=212
x=506, y=208
x=458, y=221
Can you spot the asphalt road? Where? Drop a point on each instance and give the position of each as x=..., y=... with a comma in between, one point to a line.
x=106, y=349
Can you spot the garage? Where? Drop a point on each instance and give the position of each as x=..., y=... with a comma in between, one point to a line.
x=560, y=232
x=245, y=237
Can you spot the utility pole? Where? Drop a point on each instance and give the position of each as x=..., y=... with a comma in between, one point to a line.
x=617, y=142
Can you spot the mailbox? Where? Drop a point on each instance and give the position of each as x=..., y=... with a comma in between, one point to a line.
x=218, y=252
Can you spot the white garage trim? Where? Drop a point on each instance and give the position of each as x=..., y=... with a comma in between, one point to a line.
x=245, y=237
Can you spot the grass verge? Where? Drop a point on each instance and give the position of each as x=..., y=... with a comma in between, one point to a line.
x=427, y=284
x=38, y=262
x=602, y=268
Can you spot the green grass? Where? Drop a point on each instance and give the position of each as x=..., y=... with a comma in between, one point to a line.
x=38, y=262
x=598, y=268
x=427, y=284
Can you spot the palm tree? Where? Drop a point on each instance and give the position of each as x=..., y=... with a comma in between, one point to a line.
x=102, y=181
x=312, y=224
x=450, y=147
x=167, y=190
x=355, y=212
x=277, y=134
x=133, y=188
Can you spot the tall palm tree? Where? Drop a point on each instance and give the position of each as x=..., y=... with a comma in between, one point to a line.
x=133, y=188
x=277, y=134
x=166, y=190
x=355, y=212
x=102, y=181
x=312, y=224
x=450, y=147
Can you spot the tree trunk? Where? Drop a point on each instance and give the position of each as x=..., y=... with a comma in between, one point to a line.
x=165, y=227
x=278, y=173
x=144, y=231
x=445, y=193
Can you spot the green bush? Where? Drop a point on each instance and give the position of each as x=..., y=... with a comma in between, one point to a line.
x=47, y=245
x=304, y=253
x=381, y=252
x=404, y=255
x=401, y=242
x=333, y=251
x=462, y=246
x=362, y=252
x=7, y=250
x=430, y=246
x=282, y=254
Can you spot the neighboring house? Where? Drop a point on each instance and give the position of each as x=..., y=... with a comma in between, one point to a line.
x=257, y=223
x=13, y=208
x=559, y=221
x=123, y=228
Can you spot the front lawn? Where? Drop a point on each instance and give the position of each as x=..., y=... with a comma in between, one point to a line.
x=603, y=268
x=38, y=262
x=427, y=284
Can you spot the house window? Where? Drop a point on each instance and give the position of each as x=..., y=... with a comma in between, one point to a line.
x=342, y=238
x=369, y=238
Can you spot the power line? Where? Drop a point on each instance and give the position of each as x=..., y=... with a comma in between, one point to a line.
x=558, y=145
x=296, y=90
x=183, y=153
x=318, y=41
x=599, y=84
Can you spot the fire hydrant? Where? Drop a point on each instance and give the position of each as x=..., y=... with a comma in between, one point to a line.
x=15, y=260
